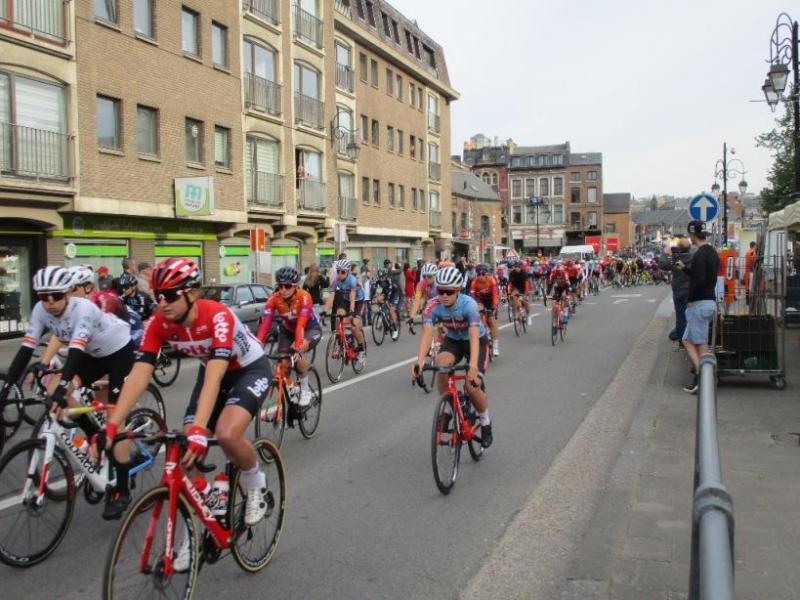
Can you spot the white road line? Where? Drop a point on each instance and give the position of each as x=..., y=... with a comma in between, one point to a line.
x=620, y=300
x=626, y=296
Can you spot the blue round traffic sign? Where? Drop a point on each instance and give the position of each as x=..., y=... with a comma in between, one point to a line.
x=703, y=207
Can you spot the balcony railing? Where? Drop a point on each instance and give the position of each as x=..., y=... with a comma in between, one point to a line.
x=262, y=94
x=347, y=139
x=435, y=170
x=39, y=17
x=266, y=10
x=308, y=111
x=34, y=153
x=347, y=208
x=307, y=27
x=436, y=219
x=311, y=195
x=434, y=122
x=344, y=77
x=264, y=189
x=343, y=7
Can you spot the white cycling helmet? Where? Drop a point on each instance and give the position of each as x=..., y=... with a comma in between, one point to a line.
x=52, y=279
x=344, y=264
x=449, y=277
x=428, y=269
x=81, y=276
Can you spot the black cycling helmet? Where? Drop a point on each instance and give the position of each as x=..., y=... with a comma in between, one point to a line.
x=482, y=269
x=382, y=273
x=127, y=280
x=287, y=275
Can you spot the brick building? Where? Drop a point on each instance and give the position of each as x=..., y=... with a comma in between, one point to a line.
x=490, y=163
x=618, y=227
x=476, y=217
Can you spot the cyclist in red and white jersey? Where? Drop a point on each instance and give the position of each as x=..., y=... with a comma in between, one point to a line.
x=558, y=282
x=425, y=291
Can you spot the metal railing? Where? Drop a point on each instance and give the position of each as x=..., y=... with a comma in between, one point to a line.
x=307, y=27
x=264, y=189
x=308, y=111
x=344, y=77
x=347, y=139
x=39, y=17
x=712, y=560
x=343, y=7
x=436, y=219
x=434, y=170
x=34, y=153
x=347, y=208
x=266, y=10
x=434, y=122
x=311, y=195
x=262, y=94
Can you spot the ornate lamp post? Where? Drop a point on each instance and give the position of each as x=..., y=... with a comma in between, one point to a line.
x=725, y=171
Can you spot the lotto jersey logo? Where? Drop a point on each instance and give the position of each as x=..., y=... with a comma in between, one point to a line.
x=221, y=328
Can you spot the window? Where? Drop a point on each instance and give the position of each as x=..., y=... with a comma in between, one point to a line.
x=370, y=13
x=558, y=186
x=416, y=46
x=530, y=214
x=399, y=87
x=147, y=130
x=575, y=219
x=390, y=138
x=364, y=128
x=346, y=186
x=575, y=195
x=108, y=130
x=400, y=141
x=530, y=187
x=360, y=8
x=516, y=214
x=408, y=41
x=486, y=229
x=464, y=224
x=610, y=227
x=105, y=10
x=261, y=162
x=574, y=176
x=544, y=187
x=401, y=197
x=365, y=190
x=222, y=147
x=486, y=179
x=306, y=81
x=396, y=32
x=412, y=93
x=376, y=133
x=433, y=153
x=419, y=149
x=420, y=96
x=389, y=82
x=593, y=219
x=343, y=55
x=308, y=164
x=591, y=176
x=391, y=195
x=516, y=188
x=376, y=192
x=593, y=195
x=414, y=201
x=430, y=57
x=385, y=20
x=362, y=67
x=219, y=45
x=494, y=179
x=557, y=214
x=412, y=147
x=190, y=31
x=259, y=61
x=193, y=132
x=143, y=18
x=373, y=72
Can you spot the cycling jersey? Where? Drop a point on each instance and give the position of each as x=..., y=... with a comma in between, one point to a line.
x=136, y=325
x=558, y=275
x=425, y=290
x=485, y=291
x=216, y=333
x=82, y=325
x=296, y=315
x=457, y=320
x=342, y=287
x=142, y=304
x=518, y=280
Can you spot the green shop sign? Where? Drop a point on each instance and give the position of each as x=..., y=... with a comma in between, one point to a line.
x=134, y=228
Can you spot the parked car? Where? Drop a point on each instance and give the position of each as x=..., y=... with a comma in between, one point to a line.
x=245, y=300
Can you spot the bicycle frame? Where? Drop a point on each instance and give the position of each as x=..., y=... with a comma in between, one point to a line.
x=282, y=370
x=464, y=430
x=349, y=352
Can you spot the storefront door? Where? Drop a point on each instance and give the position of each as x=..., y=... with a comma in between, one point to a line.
x=16, y=292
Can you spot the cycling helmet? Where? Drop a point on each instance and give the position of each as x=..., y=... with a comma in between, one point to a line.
x=81, y=276
x=174, y=274
x=127, y=280
x=382, y=273
x=109, y=302
x=52, y=279
x=343, y=265
x=482, y=269
x=287, y=275
x=569, y=262
x=428, y=269
x=449, y=277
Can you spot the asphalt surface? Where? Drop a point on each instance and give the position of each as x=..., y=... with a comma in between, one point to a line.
x=364, y=517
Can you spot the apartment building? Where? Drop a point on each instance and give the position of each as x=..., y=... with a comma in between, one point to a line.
x=490, y=164
x=618, y=227
x=476, y=217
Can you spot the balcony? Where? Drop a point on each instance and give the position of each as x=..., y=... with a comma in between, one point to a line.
x=266, y=10
x=262, y=94
x=307, y=27
x=308, y=111
x=310, y=195
x=434, y=123
x=343, y=7
x=264, y=189
x=40, y=18
x=434, y=171
x=435, y=219
x=348, y=139
x=34, y=153
x=347, y=208
x=344, y=77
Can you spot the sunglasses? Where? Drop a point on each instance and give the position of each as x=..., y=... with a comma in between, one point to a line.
x=443, y=292
x=51, y=296
x=343, y=272
x=169, y=296
x=285, y=286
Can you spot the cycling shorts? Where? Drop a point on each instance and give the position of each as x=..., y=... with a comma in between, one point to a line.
x=486, y=301
x=460, y=350
x=312, y=334
x=116, y=365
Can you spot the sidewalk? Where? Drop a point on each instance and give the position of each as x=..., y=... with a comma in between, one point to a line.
x=637, y=546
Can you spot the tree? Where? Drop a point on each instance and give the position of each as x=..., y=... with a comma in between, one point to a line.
x=781, y=174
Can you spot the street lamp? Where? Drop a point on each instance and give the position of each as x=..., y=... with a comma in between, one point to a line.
x=783, y=50
x=536, y=201
x=725, y=171
x=339, y=131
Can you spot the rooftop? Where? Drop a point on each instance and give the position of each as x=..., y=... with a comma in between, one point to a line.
x=616, y=203
x=586, y=158
x=467, y=185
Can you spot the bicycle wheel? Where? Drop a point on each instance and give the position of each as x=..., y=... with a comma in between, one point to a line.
x=378, y=328
x=474, y=445
x=334, y=358
x=429, y=376
x=445, y=445
x=135, y=571
x=168, y=365
x=255, y=546
x=31, y=531
x=11, y=417
x=310, y=415
x=523, y=319
x=562, y=332
x=269, y=423
x=516, y=323
x=553, y=329
x=153, y=400
x=143, y=456
x=360, y=365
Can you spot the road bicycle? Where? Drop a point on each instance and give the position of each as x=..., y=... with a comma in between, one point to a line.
x=558, y=322
x=382, y=323
x=341, y=351
x=39, y=479
x=430, y=361
x=281, y=406
x=271, y=343
x=141, y=560
x=485, y=313
x=594, y=285
x=167, y=367
x=518, y=315
x=454, y=422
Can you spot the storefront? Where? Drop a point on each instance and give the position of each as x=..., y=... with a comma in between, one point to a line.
x=18, y=261
x=284, y=253
x=236, y=265
x=325, y=257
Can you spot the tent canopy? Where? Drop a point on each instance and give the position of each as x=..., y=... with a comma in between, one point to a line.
x=787, y=218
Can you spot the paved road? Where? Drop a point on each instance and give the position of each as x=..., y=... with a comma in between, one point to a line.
x=364, y=518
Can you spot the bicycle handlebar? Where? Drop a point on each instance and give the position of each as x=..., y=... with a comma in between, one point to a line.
x=172, y=436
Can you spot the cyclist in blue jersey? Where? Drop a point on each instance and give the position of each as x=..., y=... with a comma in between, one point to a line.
x=347, y=299
x=465, y=337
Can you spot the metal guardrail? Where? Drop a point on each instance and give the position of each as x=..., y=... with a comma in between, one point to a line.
x=262, y=94
x=307, y=27
x=32, y=153
x=311, y=195
x=344, y=77
x=712, y=560
x=308, y=111
x=264, y=189
x=266, y=10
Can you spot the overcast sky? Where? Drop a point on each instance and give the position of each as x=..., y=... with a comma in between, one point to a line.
x=655, y=85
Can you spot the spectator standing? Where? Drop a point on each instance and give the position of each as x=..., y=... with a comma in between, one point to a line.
x=683, y=251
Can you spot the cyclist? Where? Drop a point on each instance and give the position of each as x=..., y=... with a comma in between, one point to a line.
x=98, y=344
x=574, y=273
x=558, y=282
x=231, y=381
x=485, y=291
x=426, y=290
x=109, y=302
x=141, y=303
x=465, y=337
x=387, y=290
x=347, y=299
x=519, y=286
x=300, y=331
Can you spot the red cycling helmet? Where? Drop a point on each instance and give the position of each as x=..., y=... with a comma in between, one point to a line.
x=109, y=302
x=174, y=274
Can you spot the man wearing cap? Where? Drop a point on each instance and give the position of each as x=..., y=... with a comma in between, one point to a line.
x=702, y=306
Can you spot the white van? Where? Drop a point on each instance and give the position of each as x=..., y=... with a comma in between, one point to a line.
x=581, y=252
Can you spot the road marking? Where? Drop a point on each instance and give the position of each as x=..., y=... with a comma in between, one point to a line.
x=626, y=296
x=651, y=300
x=620, y=300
